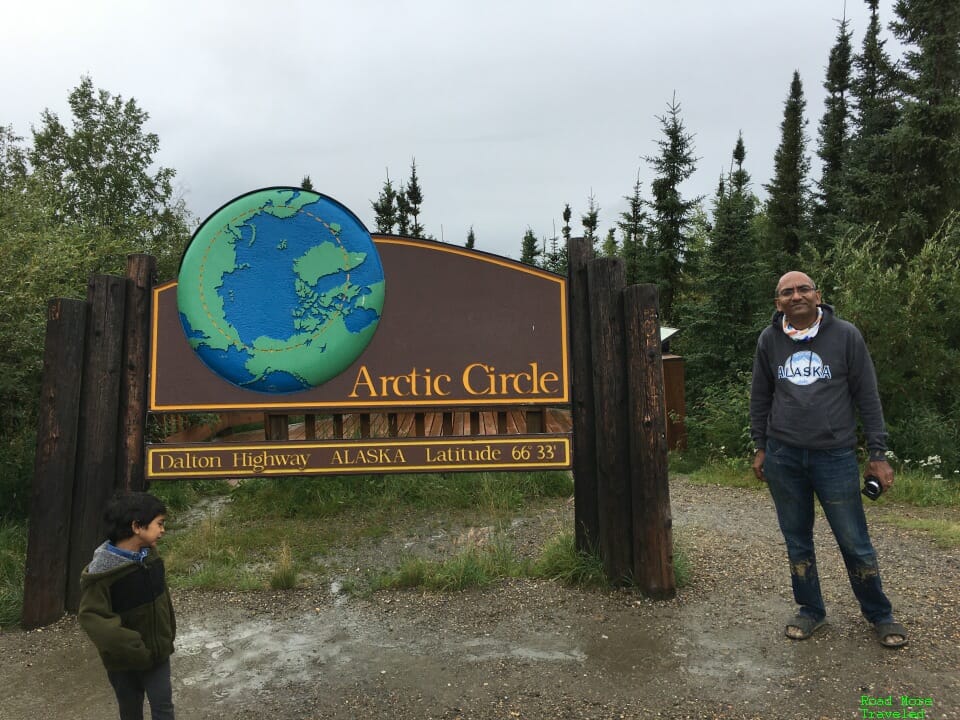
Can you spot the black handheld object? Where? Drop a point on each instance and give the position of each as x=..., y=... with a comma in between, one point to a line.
x=872, y=487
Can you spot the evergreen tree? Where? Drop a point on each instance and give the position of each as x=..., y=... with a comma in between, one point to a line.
x=307, y=184
x=471, y=239
x=414, y=198
x=834, y=139
x=788, y=201
x=529, y=250
x=871, y=179
x=403, y=211
x=632, y=225
x=671, y=212
x=591, y=220
x=610, y=246
x=385, y=207
x=928, y=137
x=723, y=322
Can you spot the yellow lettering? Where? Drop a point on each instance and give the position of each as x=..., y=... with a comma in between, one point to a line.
x=364, y=379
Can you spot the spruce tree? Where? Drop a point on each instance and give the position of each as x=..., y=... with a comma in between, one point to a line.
x=834, y=139
x=529, y=250
x=471, y=239
x=306, y=183
x=590, y=221
x=414, y=198
x=610, y=246
x=385, y=207
x=403, y=211
x=672, y=213
x=725, y=323
x=872, y=183
x=928, y=137
x=632, y=225
x=788, y=201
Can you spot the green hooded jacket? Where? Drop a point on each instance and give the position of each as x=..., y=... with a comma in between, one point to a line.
x=126, y=611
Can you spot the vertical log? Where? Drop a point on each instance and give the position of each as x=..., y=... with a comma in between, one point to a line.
x=338, y=426
x=586, y=522
x=45, y=581
x=364, y=425
x=606, y=278
x=393, y=425
x=141, y=272
x=446, y=426
x=420, y=424
x=276, y=427
x=96, y=475
x=652, y=520
x=501, y=422
x=474, y=422
x=310, y=427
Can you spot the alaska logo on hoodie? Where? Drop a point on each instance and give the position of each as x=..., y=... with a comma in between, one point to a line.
x=803, y=368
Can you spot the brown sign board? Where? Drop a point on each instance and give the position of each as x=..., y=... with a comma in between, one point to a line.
x=459, y=328
x=340, y=457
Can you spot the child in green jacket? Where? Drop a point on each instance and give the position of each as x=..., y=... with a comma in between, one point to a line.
x=125, y=606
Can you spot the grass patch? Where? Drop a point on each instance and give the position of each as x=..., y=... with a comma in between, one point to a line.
x=728, y=472
x=561, y=561
x=180, y=495
x=923, y=489
x=284, y=576
x=944, y=533
x=13, y=553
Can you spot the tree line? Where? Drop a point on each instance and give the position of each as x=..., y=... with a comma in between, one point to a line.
x=878, y=230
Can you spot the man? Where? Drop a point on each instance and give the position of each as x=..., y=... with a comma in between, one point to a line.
x=811, y=372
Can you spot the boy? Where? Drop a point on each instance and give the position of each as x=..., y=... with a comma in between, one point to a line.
x=125, y=607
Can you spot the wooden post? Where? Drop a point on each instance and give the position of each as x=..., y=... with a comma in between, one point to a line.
x=420, y=424
x=446, y=425
x=96, y=476
x=393, y=425
x=586, y=522
x=605, y=283
x=364, y=425
x=45, y=581
x=310, y=427
x=652, y=521
x=474, y=422
x=534, y=420
x=276, y=427
x=141, y=270
x=338, y=426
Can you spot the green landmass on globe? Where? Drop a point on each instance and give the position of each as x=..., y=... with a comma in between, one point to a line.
x=280, y=290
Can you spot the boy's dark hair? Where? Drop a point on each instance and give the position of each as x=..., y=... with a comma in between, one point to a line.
x=127, y=508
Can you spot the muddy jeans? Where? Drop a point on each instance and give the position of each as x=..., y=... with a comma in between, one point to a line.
x=794, y=475
x=130, y=687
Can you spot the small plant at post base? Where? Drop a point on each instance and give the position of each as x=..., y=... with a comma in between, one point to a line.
x=284, y=575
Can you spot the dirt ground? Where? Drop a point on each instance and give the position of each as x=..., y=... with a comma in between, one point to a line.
x=536, y=649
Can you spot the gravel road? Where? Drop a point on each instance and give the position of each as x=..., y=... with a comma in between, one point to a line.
x=536, y=649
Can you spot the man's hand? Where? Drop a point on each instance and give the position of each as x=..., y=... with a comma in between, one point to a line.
x=758, y=466
x=882, y=471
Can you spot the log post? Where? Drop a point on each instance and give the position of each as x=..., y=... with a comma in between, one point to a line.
x=652, y=520
x=96, y=476
x=141, y=271
x=605, y=281
x=310, y=426
x=586, y=522
x=45, y=581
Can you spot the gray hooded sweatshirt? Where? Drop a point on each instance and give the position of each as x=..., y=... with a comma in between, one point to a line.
x=806, y=394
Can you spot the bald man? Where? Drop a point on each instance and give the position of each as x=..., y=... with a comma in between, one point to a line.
x=812, y=374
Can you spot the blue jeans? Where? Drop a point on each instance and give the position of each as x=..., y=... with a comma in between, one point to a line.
x=794, y=475
x=131, y=685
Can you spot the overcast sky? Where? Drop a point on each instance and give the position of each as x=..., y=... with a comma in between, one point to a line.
x=511, y=108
